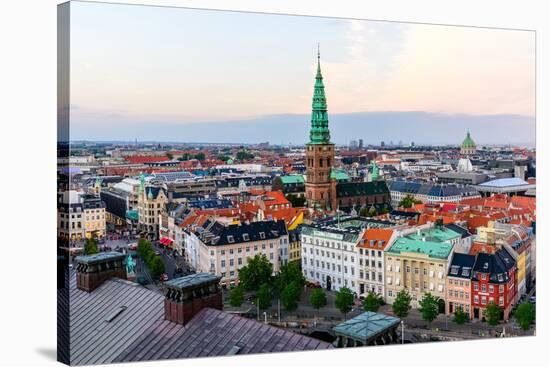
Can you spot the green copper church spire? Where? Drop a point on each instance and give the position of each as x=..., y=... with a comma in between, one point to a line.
x=319, y=133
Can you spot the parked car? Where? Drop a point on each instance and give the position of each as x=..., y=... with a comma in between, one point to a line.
x=132, y=246
x=533, y=299
x=164, y=277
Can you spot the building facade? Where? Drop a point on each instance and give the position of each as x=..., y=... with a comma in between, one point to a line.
x=419, y=263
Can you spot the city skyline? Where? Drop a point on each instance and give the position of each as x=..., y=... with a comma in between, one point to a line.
x=134, y=75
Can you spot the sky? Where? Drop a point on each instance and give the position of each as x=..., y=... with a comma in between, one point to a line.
x=174, y=74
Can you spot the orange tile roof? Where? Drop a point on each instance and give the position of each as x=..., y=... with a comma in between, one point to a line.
x=136, y=159
x=376, y=234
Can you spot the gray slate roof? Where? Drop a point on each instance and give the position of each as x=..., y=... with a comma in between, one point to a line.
x=139, y=331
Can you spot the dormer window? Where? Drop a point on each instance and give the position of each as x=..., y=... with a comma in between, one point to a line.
x=230, y=239
x=245, y=237
x=262, y=235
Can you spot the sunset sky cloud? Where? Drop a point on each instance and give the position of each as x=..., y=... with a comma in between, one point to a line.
x=192, y=66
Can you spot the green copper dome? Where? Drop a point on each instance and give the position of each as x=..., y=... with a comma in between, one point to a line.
x=319, y=133
x=468, y=142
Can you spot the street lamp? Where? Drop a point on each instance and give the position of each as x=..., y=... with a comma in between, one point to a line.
x=402, y=332
x=265, y=317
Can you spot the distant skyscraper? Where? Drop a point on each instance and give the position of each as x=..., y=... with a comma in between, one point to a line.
x=353, y=144
x=382, y=144
x=360, y=143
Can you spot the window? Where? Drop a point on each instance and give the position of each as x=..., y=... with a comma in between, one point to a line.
x=231, y=262
x=240, y=261
x=245, y=237
x=230, y=239
x=223, y=263
x=262, y=235
x=476, y=287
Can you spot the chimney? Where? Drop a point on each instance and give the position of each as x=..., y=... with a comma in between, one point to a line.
x=187, y=295
x=93, y=270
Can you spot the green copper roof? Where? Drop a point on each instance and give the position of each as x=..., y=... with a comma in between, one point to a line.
x=292, y=179
x=366, y=326
x=375, y=171
x=434, y=243
x=339, y=175
x=468, y=142
x=319, y=133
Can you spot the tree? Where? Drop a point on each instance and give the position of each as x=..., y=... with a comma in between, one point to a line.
x=263, y=296
x=429, y=307
x=169, y=156
x=184, y=157
x=156, y=266
x=200, y=156
x=236, y=296
x=318, y=298
x=223, y=157
x=402, y=304
x=460, y=317
x=289, y=273
x=364, y=212
x=290, y=296
x=372, y=212
x=493, y=314
x=90, y=247
x=244, y=155
x=525, y=315
x=408, y=201
x=344, y=300
x=372, y=302
x=258, y=271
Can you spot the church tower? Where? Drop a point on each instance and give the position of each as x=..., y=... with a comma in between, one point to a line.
x=320, y=186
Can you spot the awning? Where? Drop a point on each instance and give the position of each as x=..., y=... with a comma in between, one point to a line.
x=165, y=241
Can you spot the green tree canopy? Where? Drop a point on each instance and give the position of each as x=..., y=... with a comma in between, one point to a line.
x=244, y=155
x=236, y=296
x=169, y=156
x=372, y=302
x=257, y=271
x=90, y=247
x=184, y=157
x=344, y=300
x=460, y=317
x=525, y=315
x=290, y=296
x=263, y=296
x=429, y=307
x=200, y=156
x=289, y=273
x=156, y=266
x=318, y=298
x=493, y=313
x=402, y=304
x=408, y=201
